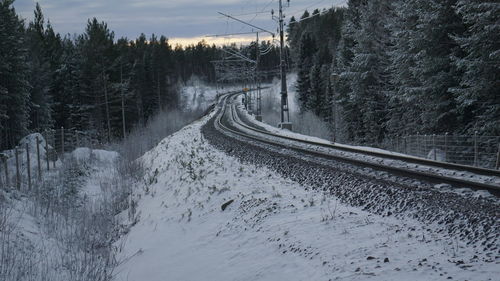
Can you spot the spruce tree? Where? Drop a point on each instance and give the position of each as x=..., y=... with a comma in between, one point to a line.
x=316, y=94
x=404, y=106
x=343, y=60
x=478, y=95
x=368, y=72
x=433, y=68
x=307, y=50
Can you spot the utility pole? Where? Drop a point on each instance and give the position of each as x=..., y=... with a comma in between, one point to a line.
x=285, y=122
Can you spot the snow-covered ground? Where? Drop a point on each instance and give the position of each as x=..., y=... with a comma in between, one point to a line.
x=206, y=216
x=197, y=95
x=100, y=163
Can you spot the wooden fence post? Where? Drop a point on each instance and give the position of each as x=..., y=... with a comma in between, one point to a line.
x=475, y=149
x=18, y=175
x=38, y=159
x=28, y=165
x=498, y=157
x=54, y=150
x=446, y=147
x=434, y=146
x=47, y=151
x=5, y=166
x=1, y=181
x=62, y=142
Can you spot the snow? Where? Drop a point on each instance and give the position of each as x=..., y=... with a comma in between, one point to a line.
x=85, y=154
x=197, y=95
x=36, y=240
x=275, y=87
x=274, y=230
x=332, y=151
x=100, y=164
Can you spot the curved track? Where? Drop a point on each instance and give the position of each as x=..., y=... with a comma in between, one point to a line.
x=229, y=123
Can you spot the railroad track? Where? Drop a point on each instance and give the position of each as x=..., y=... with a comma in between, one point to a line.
x=239, y=129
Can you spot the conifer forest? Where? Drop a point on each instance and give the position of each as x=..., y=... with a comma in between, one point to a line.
x=250, y=140
x=375, y=68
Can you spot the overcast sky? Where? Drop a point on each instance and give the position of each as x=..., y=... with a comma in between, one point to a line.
x=180, y=20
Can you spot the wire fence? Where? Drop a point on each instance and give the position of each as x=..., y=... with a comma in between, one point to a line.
x=39, y=153
x=471, y=150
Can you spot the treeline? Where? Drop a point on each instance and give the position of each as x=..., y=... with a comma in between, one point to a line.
x=382, y=68
x=90, y=82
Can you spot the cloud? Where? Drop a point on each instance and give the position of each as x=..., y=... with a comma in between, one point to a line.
x=219, y=41
x=172, y=18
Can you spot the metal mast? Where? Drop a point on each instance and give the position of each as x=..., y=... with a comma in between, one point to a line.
x=285, y=115
x=258, y=115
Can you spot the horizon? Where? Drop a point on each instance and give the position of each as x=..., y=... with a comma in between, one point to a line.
x=175, y=20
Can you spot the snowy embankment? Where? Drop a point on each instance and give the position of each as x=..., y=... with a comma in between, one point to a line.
x=204, y=215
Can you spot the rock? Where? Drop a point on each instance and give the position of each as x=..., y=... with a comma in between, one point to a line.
x=224, y=206
x=386, y=260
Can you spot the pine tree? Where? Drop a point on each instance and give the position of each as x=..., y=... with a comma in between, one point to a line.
x=65, y=86
x=96, y=51
x=40, y=73
x=14, y=86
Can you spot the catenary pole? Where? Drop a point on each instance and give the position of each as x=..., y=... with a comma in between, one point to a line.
x=285, y=117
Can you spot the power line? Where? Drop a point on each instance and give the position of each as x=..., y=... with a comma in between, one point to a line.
x=249, y=24
x=251, y=13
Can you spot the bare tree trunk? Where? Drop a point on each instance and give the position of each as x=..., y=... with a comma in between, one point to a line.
x=107, y=105
x=123, y=102
x=159, y=93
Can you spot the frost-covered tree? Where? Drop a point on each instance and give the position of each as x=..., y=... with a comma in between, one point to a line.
x=341, y=67
x=316, y=94
x=40, y=73
x=368, y=71
x=404, y=106
x=96, y=53
x=66, y=112
x=306, y=53
x=433, y=68
x=14, y=86
x=478, y=95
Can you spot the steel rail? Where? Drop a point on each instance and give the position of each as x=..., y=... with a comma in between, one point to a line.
x=429, y=177
x=408, y=159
